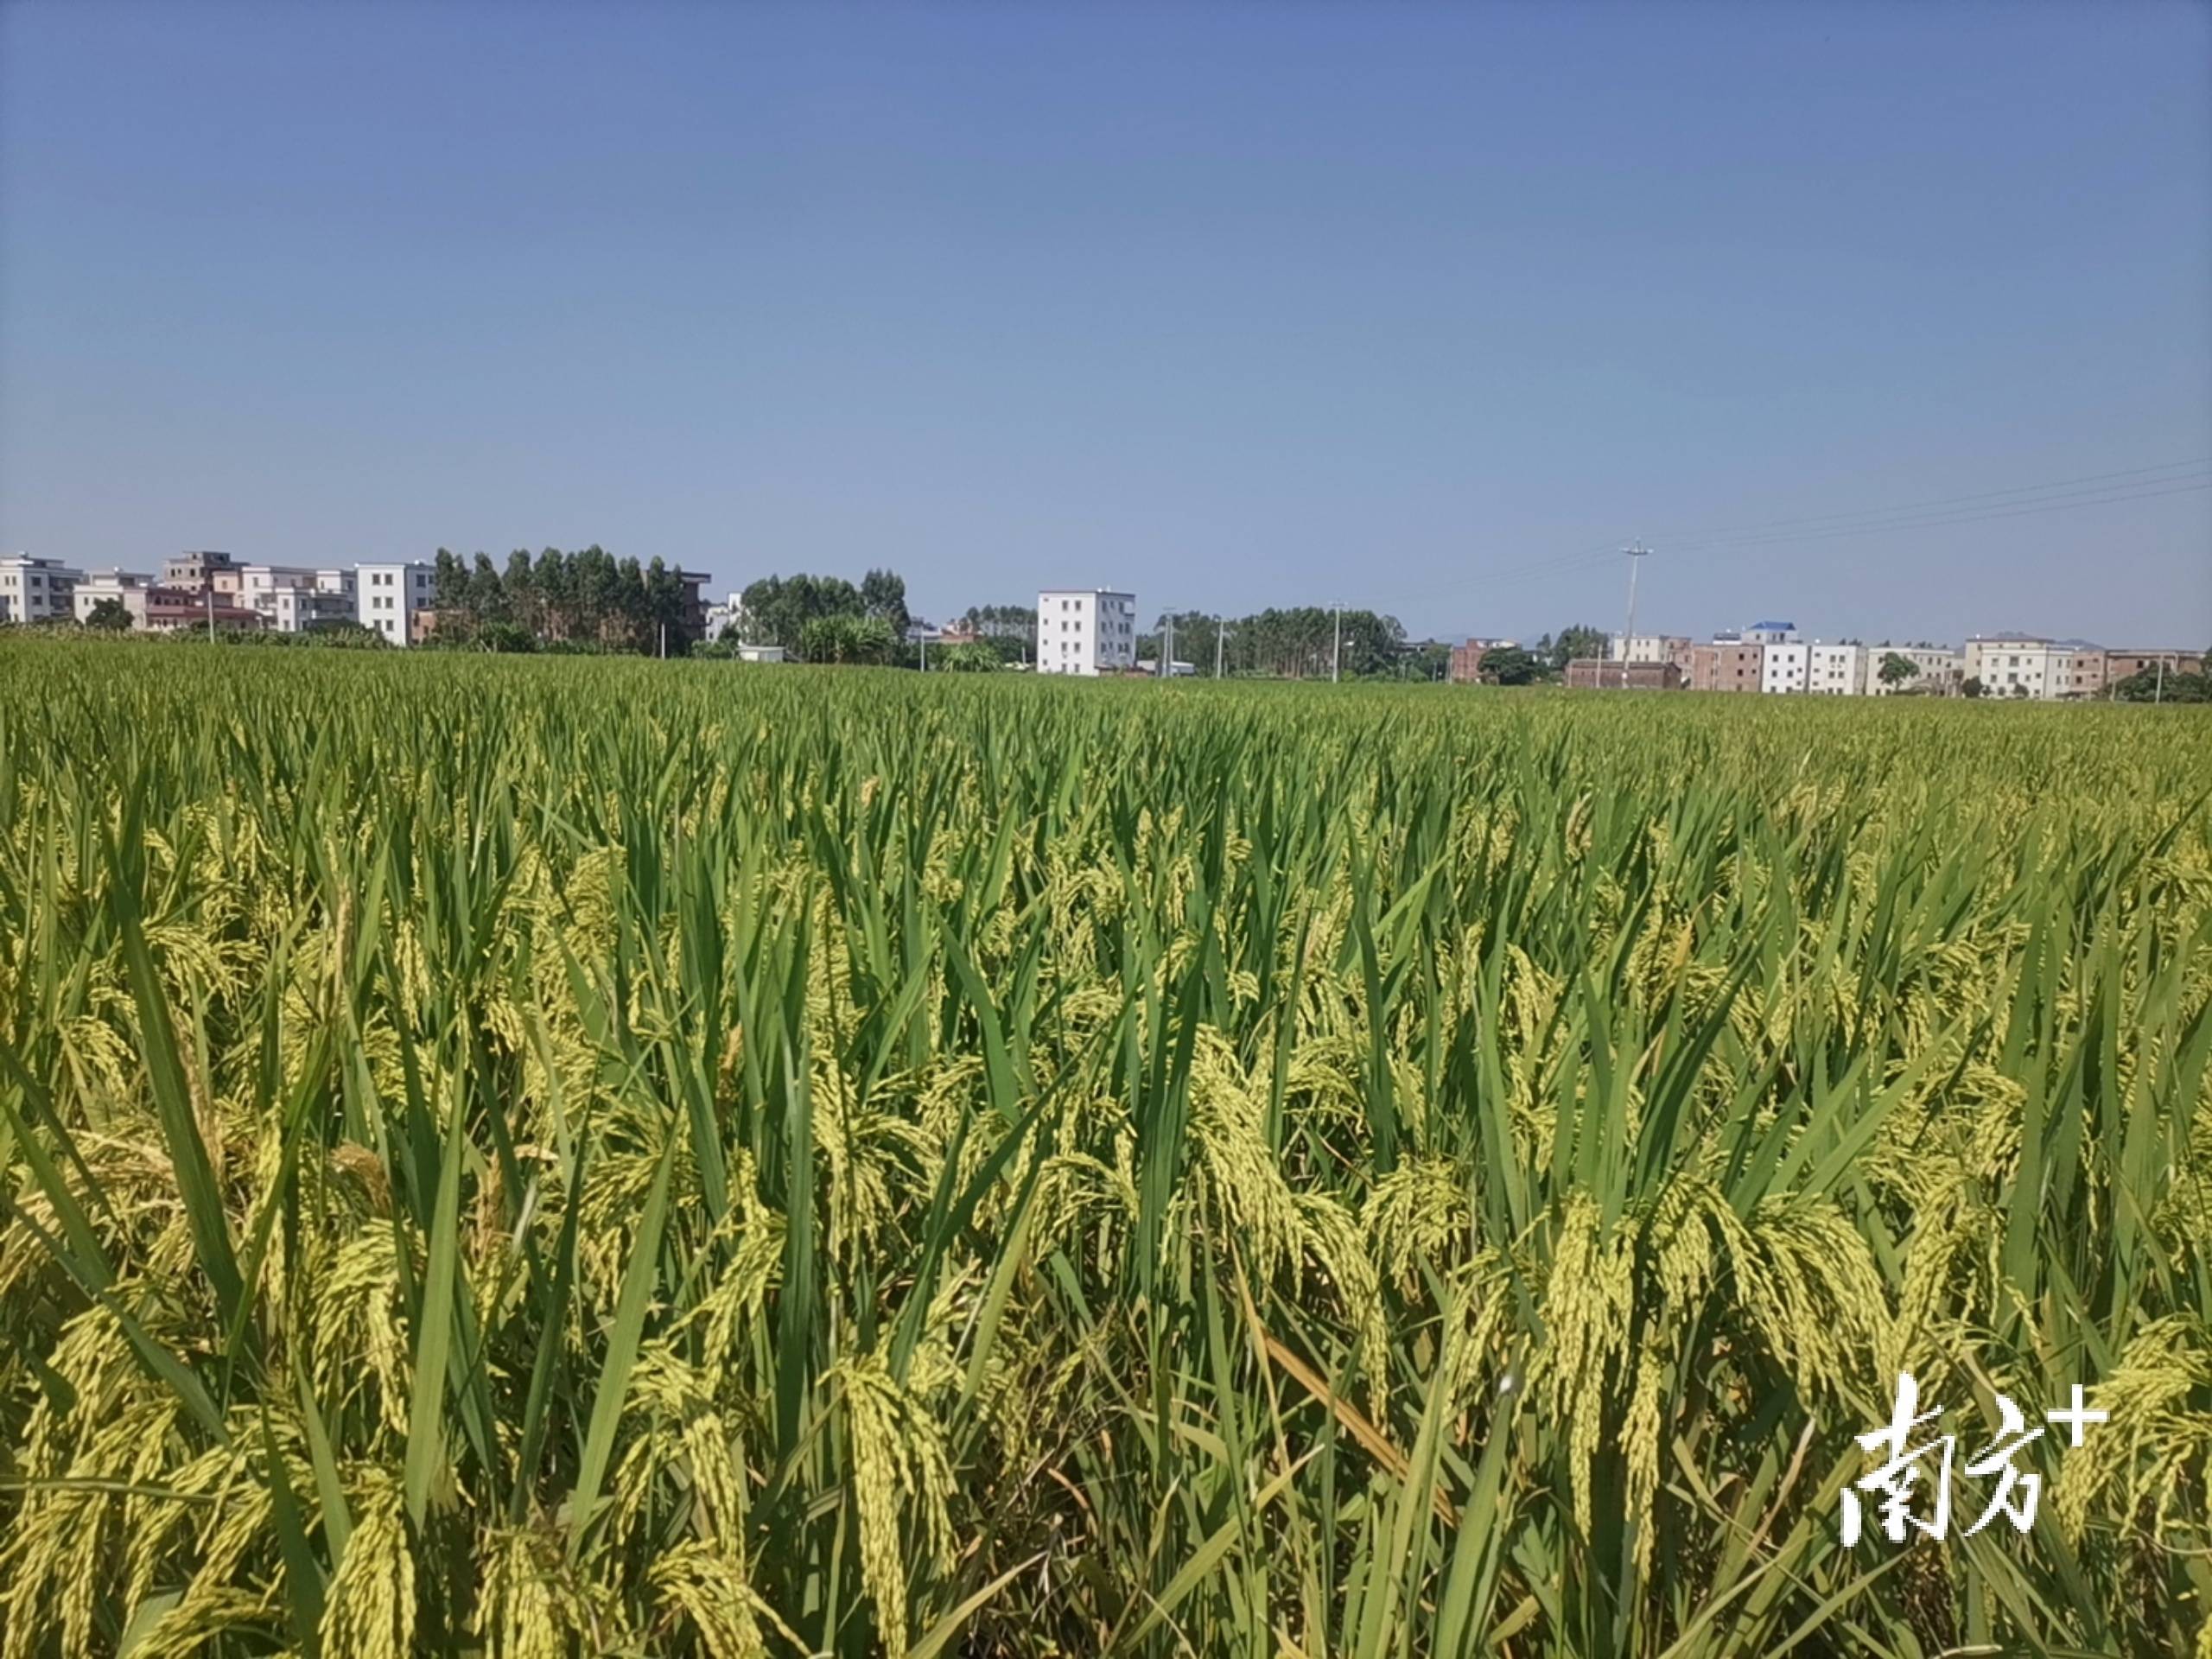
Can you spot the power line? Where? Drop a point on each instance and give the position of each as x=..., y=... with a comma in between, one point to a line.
x=2066, y=483
x=1941, y=521
x=2055, y=495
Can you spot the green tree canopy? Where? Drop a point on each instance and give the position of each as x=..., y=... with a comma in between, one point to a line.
x=587, y=599
x=1580, y=641
x=846, y=637
x=1510, y=665
x=883, y=595
x=777, y=609
x=2145, y=686
x=1294, y=643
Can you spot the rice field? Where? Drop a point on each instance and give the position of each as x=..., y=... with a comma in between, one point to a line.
x=518, y=1157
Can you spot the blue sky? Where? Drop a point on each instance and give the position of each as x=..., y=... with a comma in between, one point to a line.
x=1424, y=308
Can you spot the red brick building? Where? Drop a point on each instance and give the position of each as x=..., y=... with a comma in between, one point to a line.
x=1467, y=662
x=1728, y=666
x=1700, y=665
x=2125, y=665
x=1737, y=667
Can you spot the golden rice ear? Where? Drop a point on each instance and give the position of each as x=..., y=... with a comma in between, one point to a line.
x=369, y=1608
x=367, y=1170
x=900, y=1473
x=707, y=1591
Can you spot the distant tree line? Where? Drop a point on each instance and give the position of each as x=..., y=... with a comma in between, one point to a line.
x=827, y=618
x=1002, y=621
x=588, y=598
x=1297, y=643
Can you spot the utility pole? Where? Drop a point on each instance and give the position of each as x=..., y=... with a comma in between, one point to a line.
x=211, y=613
x=1167, y=646
x=1218, y=631
x=1636, y=554
x=664, y=642
x=1337, y=646
x=2158, y=695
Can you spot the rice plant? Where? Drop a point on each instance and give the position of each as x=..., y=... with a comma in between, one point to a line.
x=578, y=1157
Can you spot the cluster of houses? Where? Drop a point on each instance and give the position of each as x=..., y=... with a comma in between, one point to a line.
x=395, y=599
x=1775, y=658
x=204, y=590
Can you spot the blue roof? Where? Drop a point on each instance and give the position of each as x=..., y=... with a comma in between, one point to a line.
x=1762, y=625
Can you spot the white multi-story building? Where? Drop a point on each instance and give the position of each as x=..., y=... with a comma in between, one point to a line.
x=728, y=617
x=2020, y=665
x=34, y=589
x=129, y=588
x=1089, y=631
x=390, y=595
x=298, y=610
x=1834, y=671
x=199, y=571
x=1645, y=648
x=258, y=584
x=2058, y=675
x=1782, y=668
x=1940, y=670
x=292, y=599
